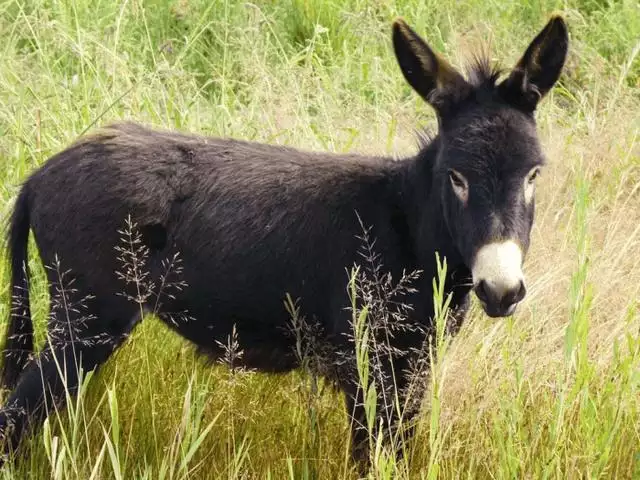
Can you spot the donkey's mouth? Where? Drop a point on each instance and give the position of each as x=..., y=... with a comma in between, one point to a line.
x=498, y=311
x=498, y=281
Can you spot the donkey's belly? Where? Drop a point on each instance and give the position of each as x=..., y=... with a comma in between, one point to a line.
x=240, y=342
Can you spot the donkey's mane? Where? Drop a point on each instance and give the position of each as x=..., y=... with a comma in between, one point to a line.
x=482, y=82
x=482, y=74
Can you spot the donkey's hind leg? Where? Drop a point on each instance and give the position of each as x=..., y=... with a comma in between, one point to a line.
x=74, y=344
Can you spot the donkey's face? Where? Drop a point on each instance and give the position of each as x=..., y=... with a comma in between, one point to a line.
x=489, y=155
x=486, y=171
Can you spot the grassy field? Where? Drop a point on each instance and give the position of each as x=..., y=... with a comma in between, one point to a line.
x=553, y=392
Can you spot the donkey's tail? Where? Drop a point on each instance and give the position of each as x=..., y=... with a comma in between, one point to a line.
x=18, y=344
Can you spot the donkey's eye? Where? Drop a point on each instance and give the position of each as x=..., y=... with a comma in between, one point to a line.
x=533, y=175
x=456, y=179
x=529, y=184
x=460, y=185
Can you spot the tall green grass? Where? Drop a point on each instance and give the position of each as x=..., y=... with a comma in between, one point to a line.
x=552, y=392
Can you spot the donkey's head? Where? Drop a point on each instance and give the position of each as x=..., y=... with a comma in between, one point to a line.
x=488, y=154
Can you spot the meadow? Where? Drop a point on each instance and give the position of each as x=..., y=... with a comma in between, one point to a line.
x=551, y=392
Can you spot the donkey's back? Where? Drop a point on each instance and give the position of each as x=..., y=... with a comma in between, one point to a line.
x=249, y=223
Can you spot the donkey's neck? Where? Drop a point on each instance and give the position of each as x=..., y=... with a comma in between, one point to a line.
x=418, y=194
x=422, y=200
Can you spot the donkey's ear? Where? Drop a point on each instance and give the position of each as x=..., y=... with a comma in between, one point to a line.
x=426, y=71
x=539, y=68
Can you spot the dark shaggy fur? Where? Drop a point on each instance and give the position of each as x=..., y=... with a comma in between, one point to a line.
x=254, y=222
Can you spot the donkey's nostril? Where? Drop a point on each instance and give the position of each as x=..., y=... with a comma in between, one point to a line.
x=522, y=292
x=482, y=291
x=515, y=295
